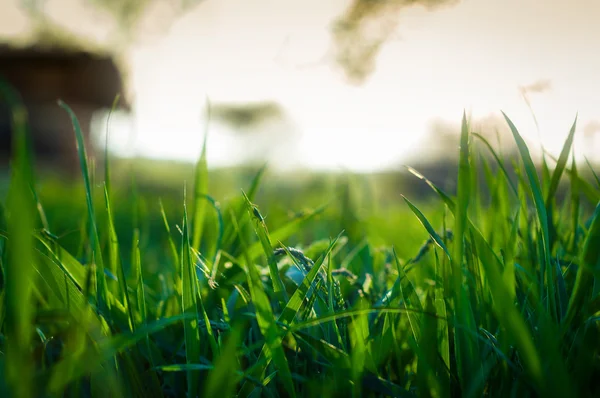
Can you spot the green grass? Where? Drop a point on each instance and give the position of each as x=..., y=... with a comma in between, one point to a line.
x=112, y=290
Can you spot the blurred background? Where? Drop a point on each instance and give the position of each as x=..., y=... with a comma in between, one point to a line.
x=322, y=91
x=339, y=85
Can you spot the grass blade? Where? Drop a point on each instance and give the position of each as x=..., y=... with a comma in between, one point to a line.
x=436, y=238
x=18, y=271
x=536, y=193
x=263, y=236
x=200, y=188
x=267, y=324
x=101, y=289
x=189, y=308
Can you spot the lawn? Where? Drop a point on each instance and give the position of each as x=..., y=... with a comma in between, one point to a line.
x=239, y=287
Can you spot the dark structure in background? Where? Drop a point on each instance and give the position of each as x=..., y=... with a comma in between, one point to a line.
x=42, y=75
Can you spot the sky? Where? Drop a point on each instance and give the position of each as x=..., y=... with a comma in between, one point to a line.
x=473, y=56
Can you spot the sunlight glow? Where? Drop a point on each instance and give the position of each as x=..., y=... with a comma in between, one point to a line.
x=471, y=57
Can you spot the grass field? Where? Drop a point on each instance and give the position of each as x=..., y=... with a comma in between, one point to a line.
x=491, y=290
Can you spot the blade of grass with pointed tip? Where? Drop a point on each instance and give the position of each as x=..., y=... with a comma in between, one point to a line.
x=284, y=232
x=263, y=236
x=561, y=164
x=220, y=230
x=200, y=188
x=113, y=246
x=106, y=157
x=535, y=190
x=444, y=196
x=436, y=238
x=587, y=161
x=499, y=161
x=101, y=290
x=189, y=307
x=556, y=175
x=240, y=207
x=507, y=314
x=575, y=206
x=113, y=241
x=467, y=350
x=116, y=264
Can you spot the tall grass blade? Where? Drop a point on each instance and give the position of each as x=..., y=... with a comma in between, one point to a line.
x=101, y=288
x=189, y=308
x=467, y=350
x=200, y=188
x=434, y=235
x=536, y=192
x=19, y=268
x=263, y=236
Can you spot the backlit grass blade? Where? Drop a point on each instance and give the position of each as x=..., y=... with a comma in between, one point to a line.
x=189, y=308
x=19, y=268
x=101, y=289
x=113, y=246
x=116, y=265
x=444, y=196
x=556, y=175
x=200, y=188
x=238, y=206
x=536, y=193
x=106, y=155
x=499, y=161
x=596, y=178
x=137, y=278
x=219, y=232
x=561, y=164
x=467, y=350
x=436, y=238
x=575, y=206
x=173, y=248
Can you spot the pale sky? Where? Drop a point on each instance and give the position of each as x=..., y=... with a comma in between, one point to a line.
x=473, y=56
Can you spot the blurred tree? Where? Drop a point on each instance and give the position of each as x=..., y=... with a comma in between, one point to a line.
x=358, y=34
x=127, y=13
x=363, y=29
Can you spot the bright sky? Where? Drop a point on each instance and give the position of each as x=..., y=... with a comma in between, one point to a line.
x=473, y=56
